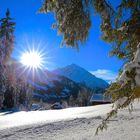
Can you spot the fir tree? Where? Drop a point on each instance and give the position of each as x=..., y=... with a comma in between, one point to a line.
x=120, y=26
x=9, y=98
x=7, y=27
x=73, y=22
x=7, y=37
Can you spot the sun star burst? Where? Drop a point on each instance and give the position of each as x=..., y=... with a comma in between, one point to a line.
x=32, y=59
x=35, y=59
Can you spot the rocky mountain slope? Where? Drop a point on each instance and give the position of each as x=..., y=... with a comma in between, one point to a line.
x=80, y=75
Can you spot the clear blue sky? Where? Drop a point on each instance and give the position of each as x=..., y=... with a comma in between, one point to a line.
x=93, y=55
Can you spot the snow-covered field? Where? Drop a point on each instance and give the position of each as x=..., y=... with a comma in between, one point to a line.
x=70, y=124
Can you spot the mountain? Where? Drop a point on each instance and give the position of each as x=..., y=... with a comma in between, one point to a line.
x=54, y=88
x=62, y=84
x=49, y=87
x=80, y=75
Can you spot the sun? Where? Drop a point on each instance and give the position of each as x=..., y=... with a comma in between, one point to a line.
x=32, y=59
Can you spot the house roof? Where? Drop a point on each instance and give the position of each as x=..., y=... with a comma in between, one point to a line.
x=99, y=98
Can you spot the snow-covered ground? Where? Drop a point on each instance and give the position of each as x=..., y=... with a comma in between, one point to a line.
x=70, y=124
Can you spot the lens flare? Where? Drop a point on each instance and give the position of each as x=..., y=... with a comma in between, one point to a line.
x=32, y=59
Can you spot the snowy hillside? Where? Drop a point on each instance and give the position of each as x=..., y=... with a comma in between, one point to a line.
x=52, y=88
x=70, y=124
x=80, y=75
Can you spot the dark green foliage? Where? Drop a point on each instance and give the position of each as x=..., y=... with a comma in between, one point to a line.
x=120, y=25
x=7, y=29
x=22, y=96
x=9, y=98
x=114, y=111
x=82, y=98
x=130, y=91
x=72, y=19
x=122, y=31
x=14, y=93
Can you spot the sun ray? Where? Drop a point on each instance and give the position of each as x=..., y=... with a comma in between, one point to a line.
x=32, y=59
x=35, y=57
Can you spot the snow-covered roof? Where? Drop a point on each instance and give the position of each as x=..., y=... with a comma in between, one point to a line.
x=99, y=98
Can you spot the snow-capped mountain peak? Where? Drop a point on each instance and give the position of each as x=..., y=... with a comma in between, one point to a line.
x=80, y=75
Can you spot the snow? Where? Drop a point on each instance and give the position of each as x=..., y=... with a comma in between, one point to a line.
x=70, y=124
x=80, y=75
x=43, y=80
x=66, y=90
x=121, y=28
x=129, y=66
x=38, y=86
x=120, y=102
x=26, y=118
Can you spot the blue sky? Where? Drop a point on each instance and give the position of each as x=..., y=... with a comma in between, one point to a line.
x=35, y=28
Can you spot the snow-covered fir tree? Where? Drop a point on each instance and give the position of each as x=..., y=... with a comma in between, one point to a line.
x=13, y=90
x=7, y=79
x=73, y=22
